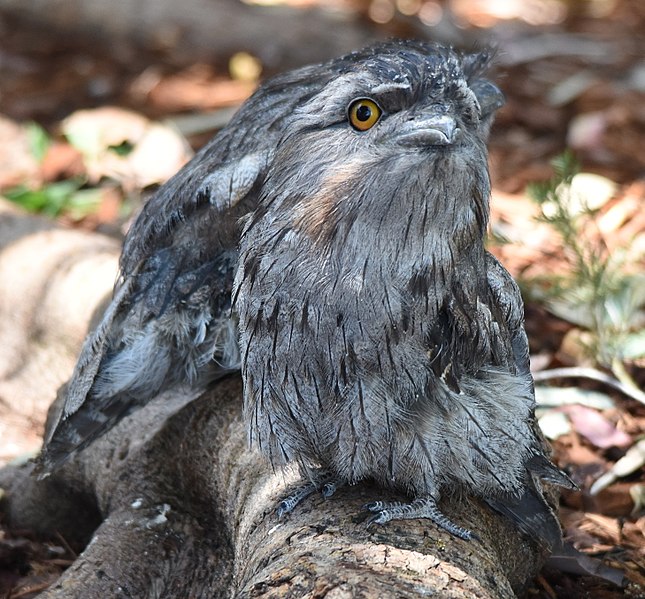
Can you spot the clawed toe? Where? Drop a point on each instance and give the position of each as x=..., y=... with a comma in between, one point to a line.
x=290, y=502
x=374, y=506
x=286, y=506
x=328, y=489
x=326, y=485
x=381, y=517
x=382, y=511
x=424, y=507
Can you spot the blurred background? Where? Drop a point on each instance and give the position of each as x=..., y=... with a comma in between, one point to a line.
x=101, y=102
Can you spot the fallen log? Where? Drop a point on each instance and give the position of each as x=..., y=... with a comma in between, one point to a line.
x=172, y=503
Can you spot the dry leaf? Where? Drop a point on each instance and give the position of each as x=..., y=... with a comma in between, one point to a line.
x=594, y=427
x=125, y=146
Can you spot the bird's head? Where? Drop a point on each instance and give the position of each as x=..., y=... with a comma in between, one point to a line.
x=390, y=146
x=400, y=93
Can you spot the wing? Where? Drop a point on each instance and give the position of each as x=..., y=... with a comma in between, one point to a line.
x=169, y=321
x=530, y=511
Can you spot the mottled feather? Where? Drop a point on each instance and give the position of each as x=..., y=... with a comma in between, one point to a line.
x=169, y=321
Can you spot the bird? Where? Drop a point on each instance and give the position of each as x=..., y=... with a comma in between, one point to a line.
x=379, y=340
x=328, y=244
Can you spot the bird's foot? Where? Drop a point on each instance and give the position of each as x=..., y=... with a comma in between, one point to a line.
x=422, y=507
x=325, y=483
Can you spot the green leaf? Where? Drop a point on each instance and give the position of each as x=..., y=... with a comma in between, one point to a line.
x=123, y=149
x=51, y=199
x=38, y=139
x=595, y=291
x=83, y=202
x=633, y=346
x=32, y=200
x=565, y=166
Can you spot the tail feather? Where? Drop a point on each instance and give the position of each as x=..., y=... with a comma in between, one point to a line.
x=541, y=467
x=531, y=512
x=78, y=429
x=533, y=516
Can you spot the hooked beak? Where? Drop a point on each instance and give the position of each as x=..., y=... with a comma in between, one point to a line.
x=434, y=130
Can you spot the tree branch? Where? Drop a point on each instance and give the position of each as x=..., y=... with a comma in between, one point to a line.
x=176, y=505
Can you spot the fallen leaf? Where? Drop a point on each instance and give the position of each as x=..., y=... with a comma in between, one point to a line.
x=125, y=146
x=62, y=160
x=633, y=459
x=597, y=429
x=18, y=165
x=569, y=559
x=562, y=396
x=94, y=130
x=637, y=493
x=158, y=155
x=615, y=500
x=604, y=526
x=554, y=424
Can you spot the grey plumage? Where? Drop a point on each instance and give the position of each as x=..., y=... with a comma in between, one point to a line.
x=169, y=321
x=379, y=339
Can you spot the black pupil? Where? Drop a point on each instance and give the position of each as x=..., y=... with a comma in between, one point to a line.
x=363, y=112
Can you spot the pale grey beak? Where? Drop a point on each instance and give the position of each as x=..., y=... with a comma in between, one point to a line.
x=434, y=130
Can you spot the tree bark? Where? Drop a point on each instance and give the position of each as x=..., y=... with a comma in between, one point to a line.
x=172, y=503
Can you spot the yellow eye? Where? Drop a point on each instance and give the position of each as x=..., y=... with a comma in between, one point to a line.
x=363, y=114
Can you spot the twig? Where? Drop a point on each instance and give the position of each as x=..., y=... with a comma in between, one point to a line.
x=66, y=545
x=194, y=124
x=589, y=373
x=524, y=50
x=30, y=589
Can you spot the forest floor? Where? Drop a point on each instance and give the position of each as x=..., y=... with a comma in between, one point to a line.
x=86, y=133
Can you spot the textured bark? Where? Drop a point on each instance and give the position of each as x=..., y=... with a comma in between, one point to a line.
x=175, y=505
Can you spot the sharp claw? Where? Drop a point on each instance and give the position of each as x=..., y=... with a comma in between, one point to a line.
x=284, y=508
x=289, y=503
x=386, y=511
x=328, y=490
x=373, y=506
x=379, y=518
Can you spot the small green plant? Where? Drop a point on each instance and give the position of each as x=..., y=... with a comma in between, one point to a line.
x=58, y=197
x=600, y=292
x=38, y=139
x=53, y=199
